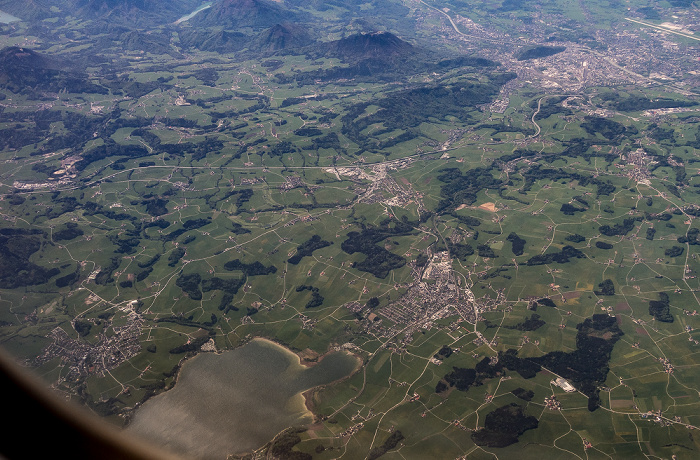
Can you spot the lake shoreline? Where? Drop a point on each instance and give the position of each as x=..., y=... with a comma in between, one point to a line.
x=296, y=360
x=305, y=359
x=7, y=18
x=309, y=394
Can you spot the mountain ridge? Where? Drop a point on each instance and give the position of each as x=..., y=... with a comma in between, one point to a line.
x=24, y=70
x=368, y=45
x=237, y=14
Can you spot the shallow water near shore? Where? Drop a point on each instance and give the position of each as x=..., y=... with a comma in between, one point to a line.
x=187, y=17
x=236, y=401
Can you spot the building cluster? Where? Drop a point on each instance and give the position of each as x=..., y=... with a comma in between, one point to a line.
x=552, y=403
x=635, y=165
x=291, y=182
x=84, y=358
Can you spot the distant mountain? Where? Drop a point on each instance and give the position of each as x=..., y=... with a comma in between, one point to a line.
x=24, y=71
x=236, y=14
x=374, y=45
x=128, y=11
x=135, y=11
x=376, y=14
x=27, y=10
x=283, y=36
x=381, y=56
x=369, y=56
x=15, y=58
x=220, y=41
x=154, y=43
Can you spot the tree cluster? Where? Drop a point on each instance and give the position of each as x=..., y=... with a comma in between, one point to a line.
x=660, y=309
x=378, y=261
x=587, y=366
x=503, y=426
x=391, y=442
x=518, y=244
x=307, y=248
x=561, y=257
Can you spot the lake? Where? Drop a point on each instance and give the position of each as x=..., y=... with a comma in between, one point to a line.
x=235, y=401
x=6, y=18
x=192, y=14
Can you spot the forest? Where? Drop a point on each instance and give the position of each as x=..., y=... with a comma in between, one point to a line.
x=16, y=270
x=503, y=426
x=587, y=366
x=307, y=248
x=378, y=261
x=660, y=309
x=407, y=109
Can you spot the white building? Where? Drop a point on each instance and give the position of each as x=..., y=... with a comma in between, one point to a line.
x=564, y=384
